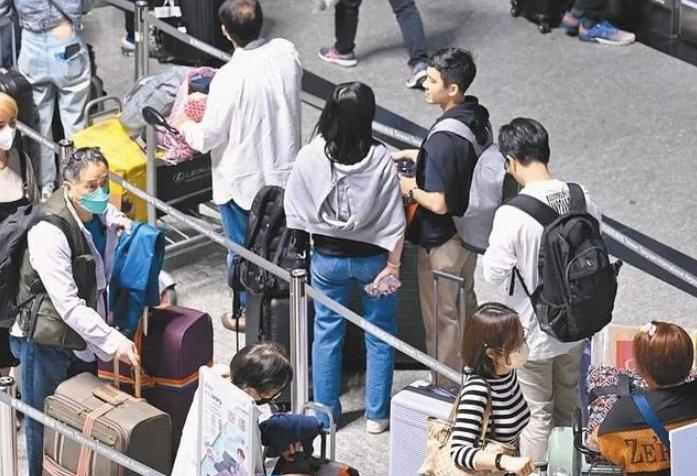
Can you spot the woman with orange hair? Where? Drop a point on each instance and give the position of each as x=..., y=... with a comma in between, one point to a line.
x=664, y=354
x=17, y=188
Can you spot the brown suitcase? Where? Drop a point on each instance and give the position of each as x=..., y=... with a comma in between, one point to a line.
x=127, y=424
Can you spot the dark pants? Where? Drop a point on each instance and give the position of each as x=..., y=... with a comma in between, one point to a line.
x=591, y=9
x=408, y=17
x=43, y=369
x=130, y=25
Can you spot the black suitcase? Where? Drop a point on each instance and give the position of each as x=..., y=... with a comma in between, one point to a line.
x=268, y=319
x=547, y=14
x=199, y=18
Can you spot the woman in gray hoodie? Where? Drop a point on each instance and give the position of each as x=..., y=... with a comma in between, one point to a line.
x=344, y=191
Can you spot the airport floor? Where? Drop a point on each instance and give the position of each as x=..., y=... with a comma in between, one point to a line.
x=621, y=122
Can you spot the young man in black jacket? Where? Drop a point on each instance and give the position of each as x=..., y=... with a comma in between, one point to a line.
x=444, y=168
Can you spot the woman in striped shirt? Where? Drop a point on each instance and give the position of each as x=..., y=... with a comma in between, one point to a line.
x=493, y=346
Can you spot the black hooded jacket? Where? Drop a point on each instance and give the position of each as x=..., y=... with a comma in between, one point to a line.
x=445, y=164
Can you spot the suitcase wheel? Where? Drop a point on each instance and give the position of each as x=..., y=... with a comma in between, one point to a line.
x=515, y=8
x=544, y=27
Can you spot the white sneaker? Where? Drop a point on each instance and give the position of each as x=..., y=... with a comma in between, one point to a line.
x=376, y=426
x=47, y=191
x=127, y=46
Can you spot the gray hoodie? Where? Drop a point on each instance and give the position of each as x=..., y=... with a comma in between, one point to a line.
x=359, y=202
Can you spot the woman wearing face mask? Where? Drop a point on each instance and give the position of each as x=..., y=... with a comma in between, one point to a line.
x=493, y=347
x=17, y=188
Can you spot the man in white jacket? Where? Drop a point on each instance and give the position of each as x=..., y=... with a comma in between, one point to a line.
x=252, y=121
x=549, y=379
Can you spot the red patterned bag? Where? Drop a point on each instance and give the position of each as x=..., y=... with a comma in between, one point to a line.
x=186, y=107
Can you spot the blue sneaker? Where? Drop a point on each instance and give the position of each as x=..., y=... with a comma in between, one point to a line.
x=570, y=23
x=605, y=33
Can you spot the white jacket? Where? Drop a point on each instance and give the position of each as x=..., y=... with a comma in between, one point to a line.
x=252, y=121
x=515, y=242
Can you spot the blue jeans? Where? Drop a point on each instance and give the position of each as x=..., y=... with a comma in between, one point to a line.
x=51, y=77
x=235, y=220
x=336, y=277
x=43, y=369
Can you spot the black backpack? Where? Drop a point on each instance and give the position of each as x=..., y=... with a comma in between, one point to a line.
x=268, y=237
x=578, y=283
x=13, y=240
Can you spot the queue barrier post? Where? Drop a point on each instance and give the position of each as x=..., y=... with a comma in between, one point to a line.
x=150, y=172
x=8, y=431
x=142, y=39
x=65, y=149
x=299, y=340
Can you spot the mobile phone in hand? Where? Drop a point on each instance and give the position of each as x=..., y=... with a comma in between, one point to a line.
x=384, y=287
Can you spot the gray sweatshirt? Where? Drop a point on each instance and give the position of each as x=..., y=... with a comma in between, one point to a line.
x=359, y=202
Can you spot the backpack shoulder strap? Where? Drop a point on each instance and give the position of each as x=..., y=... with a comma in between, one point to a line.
x=651, y=418
x=576, y=197
x=540, y=211
x=460, y=129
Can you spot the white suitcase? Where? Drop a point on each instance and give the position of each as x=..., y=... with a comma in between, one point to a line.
x=409, y=412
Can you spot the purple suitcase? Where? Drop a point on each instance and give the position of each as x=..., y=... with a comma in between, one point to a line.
x=179, y=342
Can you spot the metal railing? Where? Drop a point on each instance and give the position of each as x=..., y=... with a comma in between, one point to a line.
x=300, y=290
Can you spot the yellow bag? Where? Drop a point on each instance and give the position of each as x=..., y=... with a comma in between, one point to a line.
x=126, y=159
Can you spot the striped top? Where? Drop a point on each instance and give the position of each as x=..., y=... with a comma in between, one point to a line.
x=509, y=415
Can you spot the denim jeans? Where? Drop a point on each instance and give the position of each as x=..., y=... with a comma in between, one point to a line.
x=53, y=77
x=336, y=277
x=408, y=17
x=43, y=369
x=235, y=220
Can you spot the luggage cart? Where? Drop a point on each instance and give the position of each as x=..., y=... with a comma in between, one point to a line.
x=585, y=461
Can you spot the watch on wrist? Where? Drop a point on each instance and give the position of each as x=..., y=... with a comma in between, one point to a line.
x=497, y=461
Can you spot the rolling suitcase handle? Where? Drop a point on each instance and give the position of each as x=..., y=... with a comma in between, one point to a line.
x=137, y=387
x=437, y=276
x=136, y=370
x=319, y=408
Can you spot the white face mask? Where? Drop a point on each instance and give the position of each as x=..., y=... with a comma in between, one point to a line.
x=519, y=357
x=7, y=137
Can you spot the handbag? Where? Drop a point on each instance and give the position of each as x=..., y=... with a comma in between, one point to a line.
x=186, y=107
x=438, y=460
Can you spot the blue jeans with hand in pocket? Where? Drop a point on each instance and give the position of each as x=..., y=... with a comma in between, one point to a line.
x=336, y=277
x=52, y=74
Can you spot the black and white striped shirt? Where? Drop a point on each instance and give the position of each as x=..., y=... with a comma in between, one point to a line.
x=510, y=414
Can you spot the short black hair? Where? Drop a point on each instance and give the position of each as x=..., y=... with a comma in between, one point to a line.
x=525, y=140
x=455, y=65
x=263, y=366
x=242, y=20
